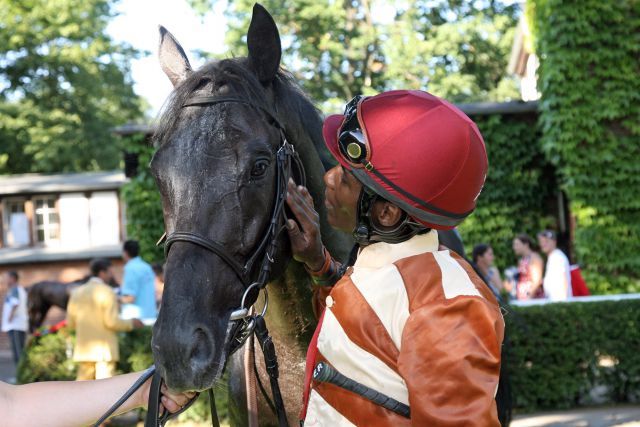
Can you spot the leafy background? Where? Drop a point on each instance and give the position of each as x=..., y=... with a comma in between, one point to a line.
x=64, y=85
x=590, y=128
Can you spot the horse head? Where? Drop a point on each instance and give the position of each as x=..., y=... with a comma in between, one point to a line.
x=216, y=167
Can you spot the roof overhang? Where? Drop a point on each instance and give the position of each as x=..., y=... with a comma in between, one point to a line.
x=61, y=183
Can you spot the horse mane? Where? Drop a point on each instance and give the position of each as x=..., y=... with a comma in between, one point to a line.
x=293, y=108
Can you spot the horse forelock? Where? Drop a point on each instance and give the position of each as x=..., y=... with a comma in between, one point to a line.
x=289, y=105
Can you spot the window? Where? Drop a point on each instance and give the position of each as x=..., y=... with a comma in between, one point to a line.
x=46, y=220
x=74, y=220
x=16, y=225
x=105, y=220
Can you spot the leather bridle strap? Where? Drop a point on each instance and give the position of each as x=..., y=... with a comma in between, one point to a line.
x=186, y=236
x=153, y=418
x=199, y=101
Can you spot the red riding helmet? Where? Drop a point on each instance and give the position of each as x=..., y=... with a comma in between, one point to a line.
x=415, y=150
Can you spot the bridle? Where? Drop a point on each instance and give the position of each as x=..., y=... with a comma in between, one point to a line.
x=286, y=160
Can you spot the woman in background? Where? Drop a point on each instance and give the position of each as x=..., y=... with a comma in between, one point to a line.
x=483, y=258
x=530, y=268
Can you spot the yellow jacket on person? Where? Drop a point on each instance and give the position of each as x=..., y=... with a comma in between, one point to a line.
x=93, y=313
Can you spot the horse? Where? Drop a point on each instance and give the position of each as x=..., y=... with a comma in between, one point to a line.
x=216, y=168
x=46, y=294
x=43, y=295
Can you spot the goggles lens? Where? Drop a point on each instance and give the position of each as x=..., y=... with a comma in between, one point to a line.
x=351, y=141
x=352, y=146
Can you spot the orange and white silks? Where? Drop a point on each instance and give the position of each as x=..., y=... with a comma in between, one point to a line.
x=416, y=324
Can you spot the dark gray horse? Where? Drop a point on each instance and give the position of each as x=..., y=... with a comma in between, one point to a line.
x=215, y=168
x=216, y=171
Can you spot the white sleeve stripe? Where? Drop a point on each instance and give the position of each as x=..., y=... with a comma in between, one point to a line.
x=455, y=280
x=320, y=413
x=356, y=363
x=385, y=292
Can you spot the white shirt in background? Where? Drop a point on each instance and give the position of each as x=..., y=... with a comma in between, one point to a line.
x=557, y=277
x=16, y=297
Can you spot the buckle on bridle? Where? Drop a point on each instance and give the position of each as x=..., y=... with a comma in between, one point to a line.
x=243, y=312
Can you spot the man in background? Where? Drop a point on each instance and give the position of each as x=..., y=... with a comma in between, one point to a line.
x=15, y=321
x=138, y=294
x=93, y=313
x=557, y=274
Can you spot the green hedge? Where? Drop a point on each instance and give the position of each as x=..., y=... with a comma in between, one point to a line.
x=47, y=358
x=518, y=183
x=561, y=352
x=590, y=121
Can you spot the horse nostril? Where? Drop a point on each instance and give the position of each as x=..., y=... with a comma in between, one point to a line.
x=201, y=348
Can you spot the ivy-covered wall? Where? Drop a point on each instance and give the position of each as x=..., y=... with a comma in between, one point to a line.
x=518, y=184
x=590, y=121
x=142, y=200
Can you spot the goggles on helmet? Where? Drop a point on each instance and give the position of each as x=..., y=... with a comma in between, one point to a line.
x=352, y=142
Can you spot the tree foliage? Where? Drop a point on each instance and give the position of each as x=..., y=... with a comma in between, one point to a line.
x=590, y=110
x=338, y=49
x=64, y=84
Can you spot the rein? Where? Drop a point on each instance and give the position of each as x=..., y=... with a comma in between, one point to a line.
x=286, y=160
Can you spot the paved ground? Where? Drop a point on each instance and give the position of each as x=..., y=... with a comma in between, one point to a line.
x=622, y=416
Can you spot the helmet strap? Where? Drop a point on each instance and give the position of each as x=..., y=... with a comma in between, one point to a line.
x=367, y=231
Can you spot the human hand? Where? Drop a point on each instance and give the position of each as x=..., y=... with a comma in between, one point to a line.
x=171, y=401
x=306, y=243
x=137, y=324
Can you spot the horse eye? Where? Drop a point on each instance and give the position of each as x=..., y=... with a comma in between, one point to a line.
x=259, y=168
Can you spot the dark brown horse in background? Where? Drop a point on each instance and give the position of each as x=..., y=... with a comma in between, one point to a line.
x=50, y=293
x=46, y=294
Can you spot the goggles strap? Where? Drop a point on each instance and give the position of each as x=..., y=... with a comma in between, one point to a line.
x=366, y=230
x=362, y=232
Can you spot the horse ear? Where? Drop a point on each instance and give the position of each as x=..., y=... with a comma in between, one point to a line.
x=173, y=60
x=263, y=41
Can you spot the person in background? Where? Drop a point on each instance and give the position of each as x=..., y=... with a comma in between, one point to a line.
x=93, y=313
x=137, y=295
x=530, y=267
x=483, y=259
x=15, y=320
x=557, y=274
x=158, y=270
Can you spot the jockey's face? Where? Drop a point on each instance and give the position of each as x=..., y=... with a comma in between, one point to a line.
x=341, y=198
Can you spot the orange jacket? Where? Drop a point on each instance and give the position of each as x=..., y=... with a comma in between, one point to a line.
x=416, y=324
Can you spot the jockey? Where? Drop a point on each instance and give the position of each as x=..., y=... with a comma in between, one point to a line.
x=403, y=321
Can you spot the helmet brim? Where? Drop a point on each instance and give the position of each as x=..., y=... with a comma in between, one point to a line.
x=330, y=130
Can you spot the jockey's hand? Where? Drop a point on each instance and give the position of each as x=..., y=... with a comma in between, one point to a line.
x=306, y=243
